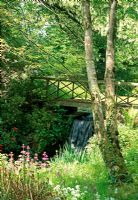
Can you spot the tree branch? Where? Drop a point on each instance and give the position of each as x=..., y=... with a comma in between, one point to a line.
x=55, y=6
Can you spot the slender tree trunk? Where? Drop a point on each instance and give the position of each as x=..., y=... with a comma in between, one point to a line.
x=91, y=73
x=117, y=166
x=108, y=140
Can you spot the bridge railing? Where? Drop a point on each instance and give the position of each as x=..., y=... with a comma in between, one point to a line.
x=61, y=89
x=127, y=93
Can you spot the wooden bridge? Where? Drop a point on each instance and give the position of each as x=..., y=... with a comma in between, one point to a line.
x=75, y=93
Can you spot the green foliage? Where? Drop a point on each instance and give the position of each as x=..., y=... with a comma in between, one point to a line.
x=48, y=128
x=129, y=145
x=42, y=128
x=25, y=107
x=130, y=117
x=48, y=40
x=8, y=140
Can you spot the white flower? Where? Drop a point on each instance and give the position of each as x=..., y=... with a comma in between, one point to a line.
x=57, y=187
x=77, y=187
x=65, y=191
x=57, y=198
x=97, y=196
x=50, y=182
x=74, y=198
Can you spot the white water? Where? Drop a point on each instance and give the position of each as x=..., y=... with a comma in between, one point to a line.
x=82, y=130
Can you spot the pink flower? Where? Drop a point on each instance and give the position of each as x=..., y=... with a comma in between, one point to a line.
x=23, y=146
x=35, y=156
x=11, y=154
x=45, y=157
x=28, y=148
x=27, y=153
x=43, y=164
x=23, y=152
x=28, y=159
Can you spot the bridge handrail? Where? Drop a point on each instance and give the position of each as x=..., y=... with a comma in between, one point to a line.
x=83, y=81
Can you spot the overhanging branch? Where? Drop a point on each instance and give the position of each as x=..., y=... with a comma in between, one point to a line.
x=56, y=7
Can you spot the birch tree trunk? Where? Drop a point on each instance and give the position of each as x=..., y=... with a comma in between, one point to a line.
x=91, y=73
x=118, y=164
x=107, y=132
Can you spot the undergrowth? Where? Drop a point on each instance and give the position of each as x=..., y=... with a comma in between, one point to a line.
x=70, y=175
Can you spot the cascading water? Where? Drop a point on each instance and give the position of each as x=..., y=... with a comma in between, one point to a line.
x=82, y=129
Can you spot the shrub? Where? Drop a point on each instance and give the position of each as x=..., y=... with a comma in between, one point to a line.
x=24, y=106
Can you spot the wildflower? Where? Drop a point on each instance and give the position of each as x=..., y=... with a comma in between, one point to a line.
x=97, y=195
x=23, y=146
x=15, y=129
x=43, y=164
x=45, y=157
x=77, y=187
x=75, y=193
x=36, y=157
x=74, y=198
x=23, y=149
x=28, y=159
x=23, y=152
x=57, y=187
x=11, y=157
x=28, y=148
x=27, y=153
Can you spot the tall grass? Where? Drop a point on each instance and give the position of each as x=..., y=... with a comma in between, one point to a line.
x=69, y=154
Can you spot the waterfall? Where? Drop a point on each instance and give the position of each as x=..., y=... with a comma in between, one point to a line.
x=82, y=129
